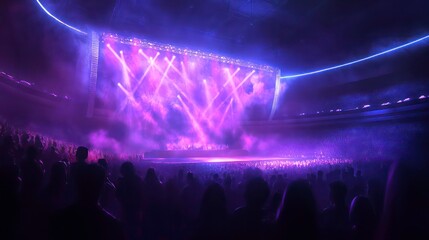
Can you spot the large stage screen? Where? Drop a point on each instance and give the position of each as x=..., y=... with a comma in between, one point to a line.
x=180, y=98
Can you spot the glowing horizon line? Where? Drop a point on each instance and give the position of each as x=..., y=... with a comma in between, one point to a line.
x=356, y=61
x=58, y=20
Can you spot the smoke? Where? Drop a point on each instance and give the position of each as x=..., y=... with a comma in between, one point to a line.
x=101, y=141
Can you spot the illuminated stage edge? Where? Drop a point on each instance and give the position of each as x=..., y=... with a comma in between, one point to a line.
x=256, y=161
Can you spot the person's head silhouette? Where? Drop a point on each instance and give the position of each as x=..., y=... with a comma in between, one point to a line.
x=81, y=154
x=90, y=183
x=297, y=217
x=338, y=192
x=103, y=163
x=256, y=192
x=127, y=169
x=151, y=176
x=213, y=205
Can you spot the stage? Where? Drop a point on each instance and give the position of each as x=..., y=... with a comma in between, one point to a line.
x=225, y=153
x=256, y=161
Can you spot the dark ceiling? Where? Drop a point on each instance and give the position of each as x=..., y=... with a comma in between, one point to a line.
x=293, y=35
x=290, y=34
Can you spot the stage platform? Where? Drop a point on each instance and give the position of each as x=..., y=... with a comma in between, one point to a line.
x=196, y=153
x=257, y=161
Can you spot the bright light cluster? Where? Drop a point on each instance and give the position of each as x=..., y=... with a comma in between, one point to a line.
x=179, y=98
x=185, y=51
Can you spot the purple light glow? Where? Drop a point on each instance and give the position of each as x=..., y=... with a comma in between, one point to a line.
x=180, y=100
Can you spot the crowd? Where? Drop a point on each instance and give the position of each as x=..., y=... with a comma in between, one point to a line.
x=49, y=190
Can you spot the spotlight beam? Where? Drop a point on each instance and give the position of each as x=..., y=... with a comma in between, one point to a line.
x=194, y=122
x=231, y=77
x=184, y=73
x=358, y=60
x=120, y=59
x=231, y=81
x=140, y=80
x=170, y=64
x=218, y=94
x=225, y=113
x=145, y=73
x=137, y=106
x=155, y=66
x=207, y=91
x=238, y=86
x=178, y=72
x=165, y=74
x=125, y=75
x=123, y=89
x=181, y=92
x=127, y=94
x=211, y=103
x=197, y=110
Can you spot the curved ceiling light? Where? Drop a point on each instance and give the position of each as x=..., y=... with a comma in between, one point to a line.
x=358, y=60
x=58, y=20
x=282, y=77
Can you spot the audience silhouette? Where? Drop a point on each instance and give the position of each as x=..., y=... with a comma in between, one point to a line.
x=248, y=221
x=335, y=218
x=85, y=218
x=213, y=217
x=204, y=201
x=297, y=216
x=362, y=218
x=129, y=193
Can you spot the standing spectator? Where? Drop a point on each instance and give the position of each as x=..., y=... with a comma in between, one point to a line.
x=153, y=206
x=335, y=218
x=297, y=216
x=362, y=219
x=85, y=218
x=248, y=222
x=213, y=218
x=129, y=194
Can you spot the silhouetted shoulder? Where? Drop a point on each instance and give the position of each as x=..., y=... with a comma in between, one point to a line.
x=80, y=222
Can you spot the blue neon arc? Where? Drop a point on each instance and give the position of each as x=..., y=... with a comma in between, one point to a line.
x=358, y=60
x=58, y=20
x=282, y=77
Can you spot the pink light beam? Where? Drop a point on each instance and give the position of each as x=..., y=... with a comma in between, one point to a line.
x=146, y=72
x=165, y=74
x=225, y=113
x=231, y=81
x=194, y=122
x=119, y=59
x=238, y=86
